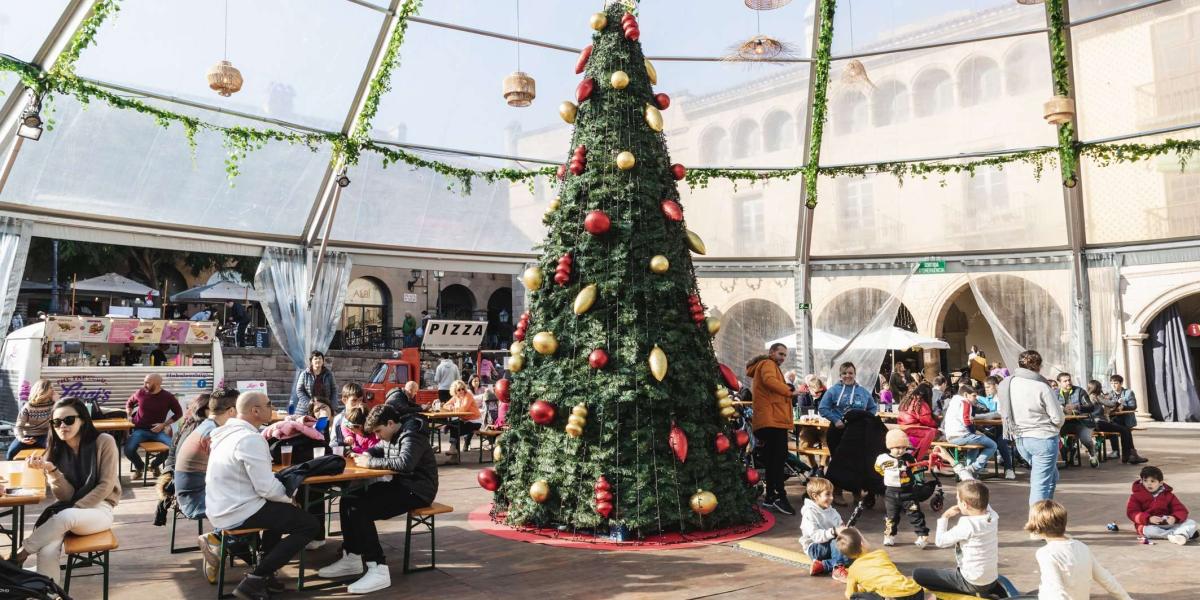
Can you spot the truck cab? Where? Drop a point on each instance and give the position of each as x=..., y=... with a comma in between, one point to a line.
x=392, y=373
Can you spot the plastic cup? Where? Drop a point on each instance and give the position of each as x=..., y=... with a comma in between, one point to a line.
x=285, y=456
x=811, y=413
x=319, y=451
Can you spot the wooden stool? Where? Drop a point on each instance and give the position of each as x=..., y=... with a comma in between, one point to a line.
x=423, y=516
x=1102, y=445
x=174, y=521
x=223, y=557
x=955, y=449
x=88, y=551
x=26, y=453
x=150, y=449
x=490, y=435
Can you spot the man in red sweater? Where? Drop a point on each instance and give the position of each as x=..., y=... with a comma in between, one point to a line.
x=151, y=410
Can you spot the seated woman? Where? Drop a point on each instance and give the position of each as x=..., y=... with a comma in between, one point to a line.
x=462, y=401
x=917, y=420
x=191, y=454
x=195, y=414
x=33, y=420
x=1106, y=404
x=81, y=466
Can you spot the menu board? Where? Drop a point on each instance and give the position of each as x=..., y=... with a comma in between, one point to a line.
x=63, y=329
x=120, y=331
x=201, y=332
x=95, y=329
x=148, y=332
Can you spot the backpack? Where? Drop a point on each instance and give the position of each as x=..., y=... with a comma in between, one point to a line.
x=18, y=584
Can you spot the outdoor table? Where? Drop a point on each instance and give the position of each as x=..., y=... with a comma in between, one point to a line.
x=447, y=415
x=887, y=416
x=28, y=486
x=819, y=427
x=118, y=425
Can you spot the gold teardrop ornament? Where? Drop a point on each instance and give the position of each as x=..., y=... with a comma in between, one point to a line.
x=658, y=363
x=654, y=118
x=695, y=243
x=585, y=299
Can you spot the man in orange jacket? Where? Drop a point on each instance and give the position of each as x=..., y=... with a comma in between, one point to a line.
x=772, y=421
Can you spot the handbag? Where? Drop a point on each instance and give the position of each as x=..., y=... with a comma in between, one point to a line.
x=18, y=584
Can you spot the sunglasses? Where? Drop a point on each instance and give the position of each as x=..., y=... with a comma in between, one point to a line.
x=68, y=421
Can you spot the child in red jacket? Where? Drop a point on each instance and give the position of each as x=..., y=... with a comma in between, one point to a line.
x=1156, y=512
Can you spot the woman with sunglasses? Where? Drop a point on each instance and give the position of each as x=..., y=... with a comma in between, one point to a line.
x=82, y=470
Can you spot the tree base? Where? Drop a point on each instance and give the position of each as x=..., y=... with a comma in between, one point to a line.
x=482, y=520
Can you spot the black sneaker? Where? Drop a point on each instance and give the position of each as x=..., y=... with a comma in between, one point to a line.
x=252, y=588
x=275, y=586
x=768, y=501
x=782, y=505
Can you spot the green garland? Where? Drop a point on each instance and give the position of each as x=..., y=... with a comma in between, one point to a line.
x=64, y=66
x=820, y=101
x=1060, y=69
x=1109, y=154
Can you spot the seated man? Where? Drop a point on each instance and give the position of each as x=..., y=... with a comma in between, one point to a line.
x=241, y=492
x=404, y=448
x=148, y=410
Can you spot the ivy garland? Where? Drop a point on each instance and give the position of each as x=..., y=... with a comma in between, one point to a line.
x=820, y=101
x=1068, y=151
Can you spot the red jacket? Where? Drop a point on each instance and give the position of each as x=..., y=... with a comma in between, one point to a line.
x=917, y=414
x=1142, y=505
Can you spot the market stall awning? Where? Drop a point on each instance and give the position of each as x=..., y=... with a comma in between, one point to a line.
x=221, y=290
x=113, y=285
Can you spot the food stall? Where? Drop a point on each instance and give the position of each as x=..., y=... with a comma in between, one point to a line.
x=105, y=359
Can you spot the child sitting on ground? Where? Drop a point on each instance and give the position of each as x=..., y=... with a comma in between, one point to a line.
x=975, y=541
x=819, y=525
x=1066, y=564
x=897, y=468
x=1156, y=512
x=873, y=575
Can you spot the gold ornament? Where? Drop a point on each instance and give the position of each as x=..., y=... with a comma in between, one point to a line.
x=722, y=392
x=497, y=454
x=577, y=420
x=532, y=278
x=554, y=204
x=728, y=412
x=567, y=110
x=516, y=363
x=619, y=80
x=658, y=363
x=519, y=89
x=224, y=78
x=516, y=349
x=580, y=410
x=573, y=430
x=625, y=160
x=599, y=21
x=713, y=324
x=702, y=502
x=651, y=72
x=659, y=264
x=585, y=299
x=540, y=490
x=545, y=343
x=654, y=118
x=695, y=243
x=725, y=402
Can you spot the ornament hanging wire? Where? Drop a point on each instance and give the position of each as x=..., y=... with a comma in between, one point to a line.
x=855, y=72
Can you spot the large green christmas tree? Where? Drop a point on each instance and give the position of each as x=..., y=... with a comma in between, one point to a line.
x=616, y=373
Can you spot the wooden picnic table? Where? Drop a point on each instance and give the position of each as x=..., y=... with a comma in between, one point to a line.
x=28, y=487
x=888, y=416
x=447, y=414
x=118, y=425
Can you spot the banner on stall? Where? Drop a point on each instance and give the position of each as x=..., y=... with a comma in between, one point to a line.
x=453, y=336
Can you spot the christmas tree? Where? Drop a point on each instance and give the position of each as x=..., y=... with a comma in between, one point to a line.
x=619, y=416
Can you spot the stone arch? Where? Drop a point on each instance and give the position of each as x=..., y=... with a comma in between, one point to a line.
x=1141, y=319
x=745, y=329
x=456, y=302
x=839, y=316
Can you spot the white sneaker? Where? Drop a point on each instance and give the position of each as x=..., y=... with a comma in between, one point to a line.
x=1177, y=538
x=964, y=472
x=921, y=542
x=313, y=545
x=377, y=578
x=349, y=564
x=889, y=540
x=1010, y=474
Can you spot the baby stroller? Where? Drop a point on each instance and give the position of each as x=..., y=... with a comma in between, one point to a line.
x=927, y=486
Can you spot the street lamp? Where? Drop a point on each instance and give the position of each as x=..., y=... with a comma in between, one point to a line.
x=438, y=275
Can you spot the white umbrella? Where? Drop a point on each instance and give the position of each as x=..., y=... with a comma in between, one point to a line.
x=822, y=340
x=111, y=284
x=895, y=338
x=221, y=290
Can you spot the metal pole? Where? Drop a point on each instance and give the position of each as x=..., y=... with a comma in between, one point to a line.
x=802, y=275
x=54, y=276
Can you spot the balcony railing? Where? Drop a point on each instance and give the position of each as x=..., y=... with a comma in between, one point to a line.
x=1180, y=219
x=1169, y=100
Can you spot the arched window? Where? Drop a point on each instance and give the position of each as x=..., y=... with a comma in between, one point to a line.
x=747, y=139
x=979, y=81
x=851, y=113
x=987, y=190
x=778, y=131
x=714, y=146
x=932, y=93
x=890, y=104
x=365, y=315
x=1023, y=66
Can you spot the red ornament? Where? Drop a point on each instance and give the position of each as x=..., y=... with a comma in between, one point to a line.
x=562, y=278
x=562, y=171
x=752, y=476
x=581, y=64
x=598, y=359
x=604, y=496
x=502, y=390
x=677, y=171
x=541, y=412
x=604, y=509
x=627, y=17
x=633, y=34
x=1194, y=330
x=671, y=209
x=722, y=443
x=488, y=479
x=585, y=89
x=662, y=100
x=731, y=380
x=577, y=167
x=597, y=223
x=741, y=437
x=519, y=335
x=678, y=443
x=601, y=485
x=562, y=273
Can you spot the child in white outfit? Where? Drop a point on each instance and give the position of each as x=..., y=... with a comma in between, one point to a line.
x=975, y=541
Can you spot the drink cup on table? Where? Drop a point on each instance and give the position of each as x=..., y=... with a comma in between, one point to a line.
x=285, y=456
x=319, y=451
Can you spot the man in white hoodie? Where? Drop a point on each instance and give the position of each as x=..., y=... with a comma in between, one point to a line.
x=241, y=492
x=1033, y=417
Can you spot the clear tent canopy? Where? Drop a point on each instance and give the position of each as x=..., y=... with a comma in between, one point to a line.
x=943, y=79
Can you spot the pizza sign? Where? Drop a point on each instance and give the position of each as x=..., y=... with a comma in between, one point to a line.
x=453, y=336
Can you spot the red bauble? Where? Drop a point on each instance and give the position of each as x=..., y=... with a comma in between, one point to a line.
x=604, y=496
x=562, y=171
x=677, y=171
x=678, y=443
x=541, y=412
x=662, y=100
x=731, y=380
x=597, y=222
x=581, y=64
x=598, y=359
x=633, y=34
x=502, y=390
x=604, y=509
x=562, y=278
x=584, y=91
x=752, y=476
x=519, y=335
x=741, y=437
x=488, y=479
x=577, y=167
x=627, y=17
x=722, y=443
x=602, y=485
x=672, y=210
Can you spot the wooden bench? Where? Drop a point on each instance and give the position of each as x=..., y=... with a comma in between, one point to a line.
x=88, y=551
x=1102, y=444
x=224, y=557
x=26, y=453
x=490, y=435
x=956, y=449
x=149, y=450
x=423, y=516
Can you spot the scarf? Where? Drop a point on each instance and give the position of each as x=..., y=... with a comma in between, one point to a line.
x=80, y=470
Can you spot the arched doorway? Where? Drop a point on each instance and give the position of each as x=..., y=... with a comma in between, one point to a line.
x=499, y=316
x=456, y=302
x=366, y=314
x=745, y=329
x=852, y=310
x=1171, y=353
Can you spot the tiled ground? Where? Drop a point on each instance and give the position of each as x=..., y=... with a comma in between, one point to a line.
x=474, y=565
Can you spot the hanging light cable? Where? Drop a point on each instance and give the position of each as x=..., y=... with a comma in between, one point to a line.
x=223, y=77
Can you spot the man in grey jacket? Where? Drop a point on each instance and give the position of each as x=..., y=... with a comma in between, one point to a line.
x=1033, y=417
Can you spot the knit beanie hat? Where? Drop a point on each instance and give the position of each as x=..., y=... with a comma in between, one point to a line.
x=896, y=438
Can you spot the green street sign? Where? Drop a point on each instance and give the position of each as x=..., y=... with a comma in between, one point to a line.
x=931, y=266
x=804, y=306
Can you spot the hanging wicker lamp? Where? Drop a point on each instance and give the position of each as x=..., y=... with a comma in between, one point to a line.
x=519, y=89
x=1059, y=110
x=1031, y=1
x=767, y=4
x=855, y=73
x=224, y=78
x=759, y=48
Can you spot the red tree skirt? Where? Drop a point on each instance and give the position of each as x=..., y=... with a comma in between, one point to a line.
x=481, y=519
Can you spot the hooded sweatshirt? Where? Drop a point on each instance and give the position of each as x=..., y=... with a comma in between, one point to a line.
x=239, y=480
x=841, y=399
x=1028, y=407
x=1142, y=505
x=817, y=525
x=772, y=397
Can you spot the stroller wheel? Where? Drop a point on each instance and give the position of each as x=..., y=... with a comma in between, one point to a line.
x=868, y=499
x=937, y=501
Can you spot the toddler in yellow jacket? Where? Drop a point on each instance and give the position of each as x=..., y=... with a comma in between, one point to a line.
x=873, y=575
